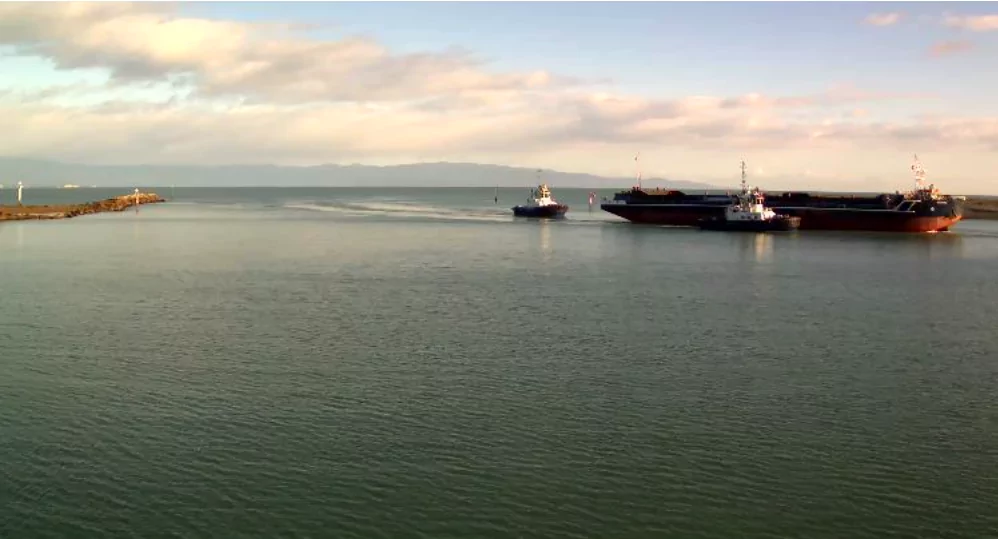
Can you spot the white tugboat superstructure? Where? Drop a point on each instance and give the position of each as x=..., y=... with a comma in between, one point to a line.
x=749, y=213
x=541, y=204
x=543, y=196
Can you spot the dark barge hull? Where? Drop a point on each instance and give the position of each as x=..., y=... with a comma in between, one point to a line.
x=685, y=215
x=870, y=220
x=925, y=216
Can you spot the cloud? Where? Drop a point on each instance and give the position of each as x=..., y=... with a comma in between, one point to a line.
x=146, y=42
x=946, y=48
x=974, y=23
x=200, y=91
x=882, y=19
x=525, y=127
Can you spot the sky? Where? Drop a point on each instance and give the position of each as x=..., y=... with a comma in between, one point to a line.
x=820, y=95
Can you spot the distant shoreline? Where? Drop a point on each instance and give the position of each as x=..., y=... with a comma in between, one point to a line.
x=984, y=198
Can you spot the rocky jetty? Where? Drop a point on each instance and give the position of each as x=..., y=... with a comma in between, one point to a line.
x=980, y=208
x=65, y=211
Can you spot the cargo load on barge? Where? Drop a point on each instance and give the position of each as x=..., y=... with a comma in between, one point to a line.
x=923, y=209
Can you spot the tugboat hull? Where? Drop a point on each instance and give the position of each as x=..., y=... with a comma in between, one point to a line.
x=551, y=211
x=779, y=224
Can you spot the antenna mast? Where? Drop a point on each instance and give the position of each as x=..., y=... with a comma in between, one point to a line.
x=916, y=167
x=744, y=183
x=637, y=168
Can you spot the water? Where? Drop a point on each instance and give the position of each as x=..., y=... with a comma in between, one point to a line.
x=417, y=363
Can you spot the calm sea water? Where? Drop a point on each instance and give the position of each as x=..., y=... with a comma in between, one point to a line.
x=417, y=363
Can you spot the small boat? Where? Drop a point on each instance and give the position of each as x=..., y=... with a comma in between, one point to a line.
x=540, y=205
x=749, y=214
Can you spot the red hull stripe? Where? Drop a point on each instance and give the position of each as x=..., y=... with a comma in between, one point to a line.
x=877, y=221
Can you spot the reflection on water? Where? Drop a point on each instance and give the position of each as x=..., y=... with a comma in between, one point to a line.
x=545, y=239
x=757, y=247
x=382, y=377
x=12, y=239
x=11, y=235
x=136, y=233
x=639, y=238
x=941, y=245
x=933, y=245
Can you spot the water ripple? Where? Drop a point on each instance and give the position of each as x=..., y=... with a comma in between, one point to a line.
x=308, y=377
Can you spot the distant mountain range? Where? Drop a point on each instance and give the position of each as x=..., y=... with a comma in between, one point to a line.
x=42, y=173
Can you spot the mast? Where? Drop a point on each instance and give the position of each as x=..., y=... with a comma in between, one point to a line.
x=637, y=169
x=916, y=168
x=744, y=183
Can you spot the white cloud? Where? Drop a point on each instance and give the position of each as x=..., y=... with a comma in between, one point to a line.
x=194, y=133
x=200, y=91
x=255, y=60
x=883, y=19
x=947, y=48
x=975, y=23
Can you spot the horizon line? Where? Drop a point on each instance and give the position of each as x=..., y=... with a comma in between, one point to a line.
x=382, y=187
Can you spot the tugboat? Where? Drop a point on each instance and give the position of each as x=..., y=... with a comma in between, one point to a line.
x=540, y=205
x=749, y=214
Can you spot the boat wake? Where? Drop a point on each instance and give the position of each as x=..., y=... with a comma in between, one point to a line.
x=974, y=233
x=405, y=210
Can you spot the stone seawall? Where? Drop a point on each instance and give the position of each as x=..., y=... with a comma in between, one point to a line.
x=65, y=211
x=980, y=208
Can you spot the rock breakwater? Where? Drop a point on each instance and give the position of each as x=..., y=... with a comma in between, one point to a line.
x=65, y=211
x=980, y=208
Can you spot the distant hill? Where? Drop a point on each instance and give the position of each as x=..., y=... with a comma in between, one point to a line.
x=42, y=173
